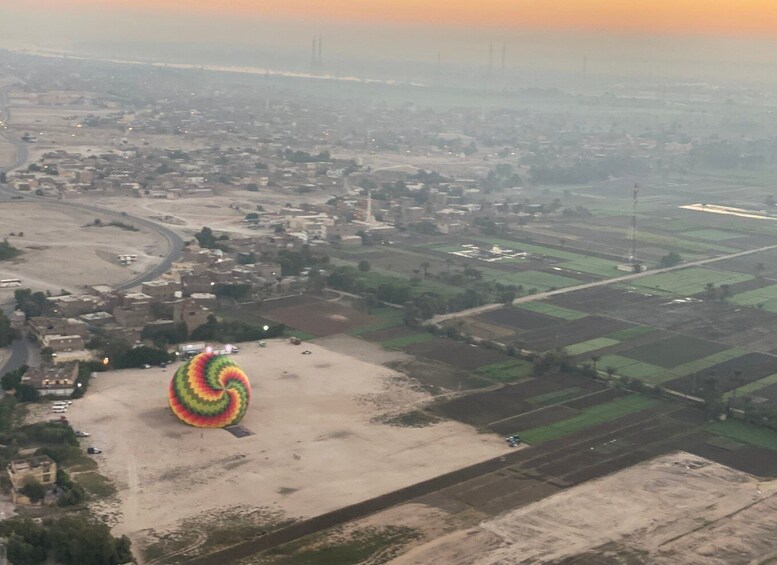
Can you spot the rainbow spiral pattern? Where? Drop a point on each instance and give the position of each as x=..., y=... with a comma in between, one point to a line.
x=209, y=391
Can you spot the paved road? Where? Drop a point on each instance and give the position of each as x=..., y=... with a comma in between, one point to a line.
x=174, y=241
x=22, y=351
x=595, y=284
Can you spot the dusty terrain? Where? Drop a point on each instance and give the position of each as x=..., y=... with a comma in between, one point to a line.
x=224, y=211
x=678, y=508
x=59, y=252
x=319, y=443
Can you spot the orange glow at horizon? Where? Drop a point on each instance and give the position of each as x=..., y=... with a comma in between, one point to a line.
x=755, y=17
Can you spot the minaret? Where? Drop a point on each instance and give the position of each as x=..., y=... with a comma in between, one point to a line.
x=369, y=219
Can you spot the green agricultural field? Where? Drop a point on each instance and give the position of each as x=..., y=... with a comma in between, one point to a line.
x=631, y=333
x=529, y=279
x=765, y=298
x=654, y=232
x=634, y=369
x=745, y=433
x=686, y=282
x=627, y=367
x=573, y=261
x=507, y=371
x=405, y=341
x=389, y=318
x=377, y=276
x=553, y=311
x=684, y=246
x=706, y=362
x=672, y=351
x=556, y=396
x=752, y=387
x=713, y=234
x=590, y=345
x=599, y=414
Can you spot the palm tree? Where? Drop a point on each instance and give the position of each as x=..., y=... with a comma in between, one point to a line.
x=594, y=360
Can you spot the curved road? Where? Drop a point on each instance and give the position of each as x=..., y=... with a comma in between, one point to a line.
x=21, y=351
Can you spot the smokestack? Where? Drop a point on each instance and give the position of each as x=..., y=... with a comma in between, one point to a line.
x=320, y=50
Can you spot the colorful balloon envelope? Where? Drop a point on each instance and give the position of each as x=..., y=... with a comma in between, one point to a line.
x=209, y=391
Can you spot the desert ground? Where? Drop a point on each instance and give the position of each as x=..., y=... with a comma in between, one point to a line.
x=224, y=211
x=60, y=252
x=320, y=441
x=678, y=508
x=7, y=153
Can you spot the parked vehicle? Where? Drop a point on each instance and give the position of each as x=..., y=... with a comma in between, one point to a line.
x=82, y=434
x=93, y=450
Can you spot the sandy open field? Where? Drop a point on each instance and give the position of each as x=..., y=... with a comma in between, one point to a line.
x=59, y=252
x=678, y=508
x=222, y=212
x=319, y=443
x=7, y=153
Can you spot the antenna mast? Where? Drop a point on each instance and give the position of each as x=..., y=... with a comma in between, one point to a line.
x=634, y=226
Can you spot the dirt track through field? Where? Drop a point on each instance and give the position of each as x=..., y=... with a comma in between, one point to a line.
x=606, y=282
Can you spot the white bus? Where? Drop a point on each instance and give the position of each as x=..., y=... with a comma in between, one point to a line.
x=9, y=283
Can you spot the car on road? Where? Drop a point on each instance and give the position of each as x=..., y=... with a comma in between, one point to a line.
x=59, y=409
x=93, y=450
x=307, y=352
x=81, y=434
x=146, y=366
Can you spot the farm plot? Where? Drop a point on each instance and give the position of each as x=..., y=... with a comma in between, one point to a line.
x=552, y=310
x=288, y=302
x=745, y=433
x=484, y=408
x=506, y=371
x=322, y=319
x=590, y=345
x=655, y=374
x=570, y=333
x=729, y=374
x=537, y=281
x=459, y=355
x=765, y=388
x=567, y=259
x=765, y=298
x=711, y=234
x=592, y=416
x=518, y=320
x=388, y=318
x=673, y=351
x=687, y=282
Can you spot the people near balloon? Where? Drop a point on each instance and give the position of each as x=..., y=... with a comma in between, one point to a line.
x=209, y=391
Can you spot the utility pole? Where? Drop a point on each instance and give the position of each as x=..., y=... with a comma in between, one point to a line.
x=634, y=226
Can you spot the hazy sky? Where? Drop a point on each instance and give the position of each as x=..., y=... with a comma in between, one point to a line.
x=683, y=16
x=696, y=37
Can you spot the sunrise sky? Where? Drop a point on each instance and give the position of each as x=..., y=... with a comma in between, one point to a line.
x=660, y=16
x=683, y=37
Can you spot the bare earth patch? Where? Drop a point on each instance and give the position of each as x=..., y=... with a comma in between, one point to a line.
x=679, y=508
x=318, y=443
